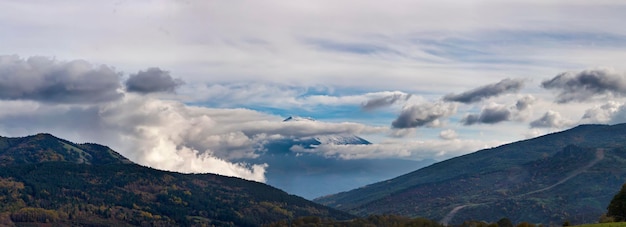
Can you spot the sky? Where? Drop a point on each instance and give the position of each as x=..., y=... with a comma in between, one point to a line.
x=195, y=86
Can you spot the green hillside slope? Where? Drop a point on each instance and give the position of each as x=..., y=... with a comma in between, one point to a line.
x=49, y=180
x=567, y=175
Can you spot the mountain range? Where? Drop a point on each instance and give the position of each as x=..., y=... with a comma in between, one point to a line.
x=44, y=179
x=565, y=176
x=570, y=175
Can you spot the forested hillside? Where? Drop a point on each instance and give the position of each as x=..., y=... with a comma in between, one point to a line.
x=48, y=180
x=570, y=175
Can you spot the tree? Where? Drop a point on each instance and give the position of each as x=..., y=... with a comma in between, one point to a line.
x=505, y=222
x=617, y=207
x=525, y=224
x=606, y=219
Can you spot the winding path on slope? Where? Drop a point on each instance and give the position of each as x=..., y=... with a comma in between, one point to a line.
x=599, y=157
x=450, y=215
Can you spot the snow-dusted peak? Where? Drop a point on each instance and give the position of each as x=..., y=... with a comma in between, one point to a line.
x=340, y=139
x=296, y=118
x=337, y=139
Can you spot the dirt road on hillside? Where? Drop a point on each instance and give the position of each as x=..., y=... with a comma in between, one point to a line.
x=599, y=157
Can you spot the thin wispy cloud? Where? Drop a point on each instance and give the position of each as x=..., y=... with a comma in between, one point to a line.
x=487, y=91
x=448, y=134
x=384, y=101
x=415, y=150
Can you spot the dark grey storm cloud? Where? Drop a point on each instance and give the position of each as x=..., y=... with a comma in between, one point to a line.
x=489, y=115
x=550, y=119
x=47, y=80
x=487, y=91
x=423, y=115
x=384, y=101
x=587, y=84
x=152, y=80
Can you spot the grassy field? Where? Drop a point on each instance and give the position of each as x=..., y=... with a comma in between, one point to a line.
x=613, y=224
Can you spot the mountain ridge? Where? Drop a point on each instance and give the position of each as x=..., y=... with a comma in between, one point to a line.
x=45, y=179
x=46, y=147
x=473, y=178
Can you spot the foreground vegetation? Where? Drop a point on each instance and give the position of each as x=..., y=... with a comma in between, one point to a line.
x=610, y=224
x=400, y=221
x=123, y=194
x=371, y=221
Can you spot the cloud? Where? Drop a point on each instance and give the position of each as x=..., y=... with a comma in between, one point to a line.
x=237, y=49
x=525, y=102
x=401, y=132
x=601, y=114
x=384, y=101
x=271, y=45
x=47, y=80
x=352, y=48
x=17, y=108
x=305, y=128
x=550, y=119
x=489, y=115
x=415, y=150
x=448, y=134
x=532, y=133
x=610, y=113
x=494, y=113
x=619, y=116
x=225, y=133
x=487, y=91
x=161, y=134
x=285, y=97
x=523, y=108
x=152, y=80
x=586, y=85
x=169, y=134
x=420, y=115
x=368, y=101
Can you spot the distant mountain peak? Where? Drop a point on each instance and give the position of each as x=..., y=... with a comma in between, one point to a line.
x=341, y=140
x=336, y=139
x=297, y=118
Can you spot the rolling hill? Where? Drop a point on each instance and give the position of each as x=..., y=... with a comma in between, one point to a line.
x=570, y=175
x=45, y=179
